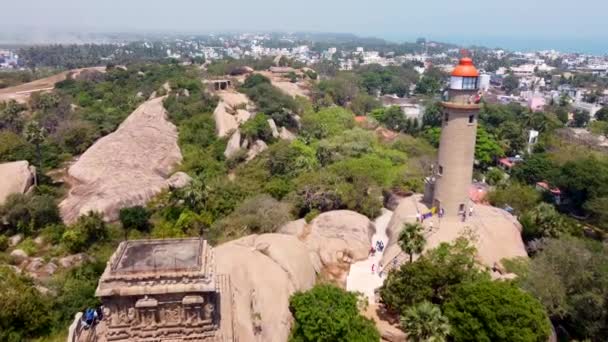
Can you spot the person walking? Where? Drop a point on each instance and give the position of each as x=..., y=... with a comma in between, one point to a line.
x=471, y=211
x=373, y=268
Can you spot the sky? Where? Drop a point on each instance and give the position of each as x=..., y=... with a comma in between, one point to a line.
x=488, y=22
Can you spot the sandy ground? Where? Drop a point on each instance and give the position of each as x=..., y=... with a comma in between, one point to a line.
x=291, y=89
x=360, y=277
x=22, y=92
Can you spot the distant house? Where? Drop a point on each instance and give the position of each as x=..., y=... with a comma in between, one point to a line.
x=507, y=164
x=410, y=110
x=536, y=103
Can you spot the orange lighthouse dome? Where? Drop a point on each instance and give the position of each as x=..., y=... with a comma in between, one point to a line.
x=465, y=68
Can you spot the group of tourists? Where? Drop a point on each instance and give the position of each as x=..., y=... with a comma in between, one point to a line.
x=378, y=248
x=379, y=269
x=91, y=316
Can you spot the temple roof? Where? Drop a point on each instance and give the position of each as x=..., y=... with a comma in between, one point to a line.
x=140, y=267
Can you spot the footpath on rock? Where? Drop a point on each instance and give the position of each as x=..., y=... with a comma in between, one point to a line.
x=360, y=277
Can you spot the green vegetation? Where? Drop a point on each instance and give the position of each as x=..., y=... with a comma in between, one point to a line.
x=411, y=239
x=432, y=277
x=496, y=311
x=569, y=277
x=474, y=308
x=425, y=322
x=23, y=310
x=327, y=313
x=135, y=218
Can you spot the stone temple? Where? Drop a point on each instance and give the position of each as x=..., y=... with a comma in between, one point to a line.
x=162, y=290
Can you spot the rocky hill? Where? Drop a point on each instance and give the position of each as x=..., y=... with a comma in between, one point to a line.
x=127, y=167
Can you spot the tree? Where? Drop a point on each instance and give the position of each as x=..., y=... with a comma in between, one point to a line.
x=29, y=213
x=487, y=148
x=88, y=230
x=583, y=179
x=496, y=311
x=34, y=134
x=327, y=313
x=425, y=323
x=581, y=118
x=518, y=196
x=536, y=168
x=598, y=208
x=545, y=222
x=432, y=115
x=10, y=116
x=510, y=83
x=569, y=277
x=602, y=114
x=257, y=128
x=327, y=122
x=432, y=277
x=134, y=218
x=411, y=239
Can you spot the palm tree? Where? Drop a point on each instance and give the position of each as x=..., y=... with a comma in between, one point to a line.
x=425, y=323
x=411, y=239
x=34, y=134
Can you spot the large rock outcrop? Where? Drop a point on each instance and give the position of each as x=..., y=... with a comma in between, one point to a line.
x=495, y=233
x=127, y=167
x=335, y=240
x=15, y=178
x=265, y=271
x=230, y=112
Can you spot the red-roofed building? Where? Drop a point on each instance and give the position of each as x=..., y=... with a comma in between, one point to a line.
x=556, y=193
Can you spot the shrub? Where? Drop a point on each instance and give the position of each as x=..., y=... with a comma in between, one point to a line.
x=76, y=290
x=327, y=122
x=496, y=311
x=74, y=136
x=311, y=215
x=29, y=213
x=53, y=233
x=24, y=312
x=3, y=243
x=257, y=128
x=87, y=230
x=198, y=130
x=135, y=218
x=495, y=176
x=256, y=215
x=291, y=159
x=255, y=80
x=328, y=313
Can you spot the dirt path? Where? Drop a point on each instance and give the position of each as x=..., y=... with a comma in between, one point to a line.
x=22, y=92
x=360, y=277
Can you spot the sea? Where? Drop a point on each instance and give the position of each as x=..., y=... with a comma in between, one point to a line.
x=585, y=45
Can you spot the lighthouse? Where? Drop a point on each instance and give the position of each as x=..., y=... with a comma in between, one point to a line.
x=453, y=174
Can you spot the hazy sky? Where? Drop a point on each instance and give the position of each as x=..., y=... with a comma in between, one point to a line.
x=462, y=20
